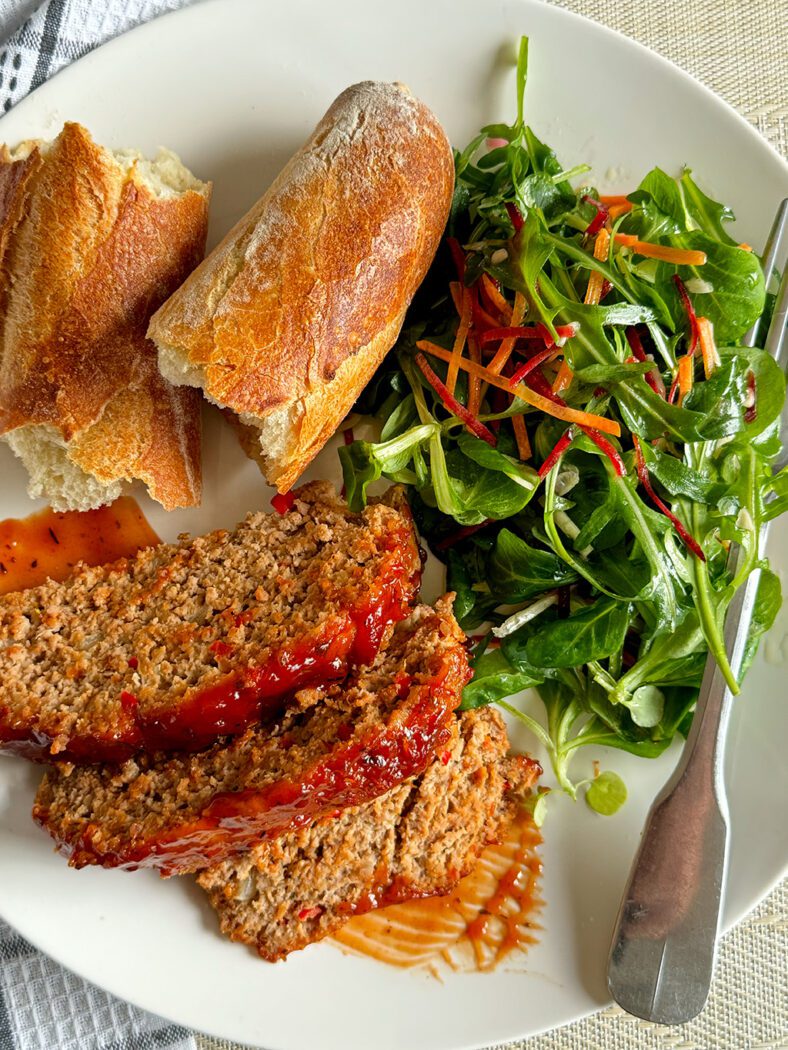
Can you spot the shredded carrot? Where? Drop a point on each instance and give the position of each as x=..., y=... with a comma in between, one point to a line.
x=615, y=198
x=544, y=404
x=459, y=342
x=564, y=378
x=521, y=436
x=504, y=351
x=708, y=347
x=620, y=209
x=663, y=252
x=594, y=289
x=686, y=367
x=474, y=383
x=495, y=299
x=745, y=247
x=456, y=296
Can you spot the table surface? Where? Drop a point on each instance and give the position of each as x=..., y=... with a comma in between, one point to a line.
x=738, y=48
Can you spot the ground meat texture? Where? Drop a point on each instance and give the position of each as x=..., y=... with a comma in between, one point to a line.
x=189, y=642
x=337, y=747
x=418, y=840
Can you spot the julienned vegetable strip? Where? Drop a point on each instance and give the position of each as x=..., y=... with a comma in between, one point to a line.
x=541, y=385
x=521, y=437
x=534, y=331
x=532, y=363
x=560, y=447
x=496, y=300
x=640, y=605
x=551, y=408
x=474, y=383
x=685, y=375
x=599, y=219
x=459, y=342
x=453, y=405
x=708, y=347
x=663, y=252
x=563, y=378
x=652, y=377
x=601, y=248
x=686, y=538
x=689, y=309
x=504, y=351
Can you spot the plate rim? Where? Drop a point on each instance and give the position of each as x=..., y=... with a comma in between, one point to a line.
x=196, y=10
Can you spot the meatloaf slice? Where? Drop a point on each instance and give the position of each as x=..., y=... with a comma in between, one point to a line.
x=418, y=840
x=340, y=747
x=189, y=642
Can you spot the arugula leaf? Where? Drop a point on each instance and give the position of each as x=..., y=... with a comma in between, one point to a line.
x=706, y=214
x=738, y=292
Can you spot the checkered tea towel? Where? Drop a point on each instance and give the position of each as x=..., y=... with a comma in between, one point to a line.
x=37, y=39
x=43, y=1006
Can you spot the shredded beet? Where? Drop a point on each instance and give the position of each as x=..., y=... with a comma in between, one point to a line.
x=348, y=436
x=690, y=311
x=453, y=405
x=599, y=219
x=560, y=447
x=652, y=377
x=514, y=214
x=538, y=382
x=529, y=365
x=688, y=540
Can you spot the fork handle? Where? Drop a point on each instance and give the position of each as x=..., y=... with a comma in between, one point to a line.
x=664, y=943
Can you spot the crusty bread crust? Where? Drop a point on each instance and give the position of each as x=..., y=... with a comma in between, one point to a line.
x=290, y=315
x=90, y=246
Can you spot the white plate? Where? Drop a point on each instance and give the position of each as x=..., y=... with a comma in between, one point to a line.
x=234, y=88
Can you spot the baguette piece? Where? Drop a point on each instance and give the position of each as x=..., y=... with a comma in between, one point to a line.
x=91, y=243
x=187, y=642
x=343, y=746
x=287, y=319
x=418, y=840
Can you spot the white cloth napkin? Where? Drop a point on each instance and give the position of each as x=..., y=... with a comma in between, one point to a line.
x=43, y=1006
x=37, y=39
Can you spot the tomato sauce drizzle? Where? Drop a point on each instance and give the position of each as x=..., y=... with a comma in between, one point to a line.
x=489, y=915
x=49, y=544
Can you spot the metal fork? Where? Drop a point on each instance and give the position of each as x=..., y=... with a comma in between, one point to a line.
x=664, y=942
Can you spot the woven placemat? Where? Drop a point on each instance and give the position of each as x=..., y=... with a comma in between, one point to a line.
x=739, y=49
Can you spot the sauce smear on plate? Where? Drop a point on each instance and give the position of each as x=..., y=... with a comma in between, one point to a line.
x=48, y=545
x=488, y=916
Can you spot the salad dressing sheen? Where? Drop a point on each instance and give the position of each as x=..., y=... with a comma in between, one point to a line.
x=489, y=915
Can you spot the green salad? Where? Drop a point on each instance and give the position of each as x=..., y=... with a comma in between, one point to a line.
x=583, y=436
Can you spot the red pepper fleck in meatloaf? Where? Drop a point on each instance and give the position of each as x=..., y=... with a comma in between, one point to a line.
x=192, y=641
x=336, y=747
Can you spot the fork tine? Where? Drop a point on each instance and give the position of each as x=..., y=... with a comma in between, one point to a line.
x=771, y=254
